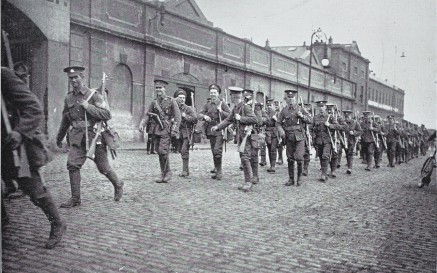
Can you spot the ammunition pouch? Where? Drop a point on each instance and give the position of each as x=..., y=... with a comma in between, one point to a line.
x=111, y=138
x=258, y=141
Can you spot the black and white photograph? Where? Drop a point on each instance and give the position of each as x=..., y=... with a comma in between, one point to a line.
x=222, y=136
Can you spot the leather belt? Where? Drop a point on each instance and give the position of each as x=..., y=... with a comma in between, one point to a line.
x=80, y=124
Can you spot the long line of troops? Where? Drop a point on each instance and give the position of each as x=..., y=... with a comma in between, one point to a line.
x=288, y=123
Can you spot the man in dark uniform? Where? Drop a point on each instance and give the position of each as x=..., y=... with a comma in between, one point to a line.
x=271, y=135
x=244, y=119
x=424, y=144
x=260, y=112
x=26, y=115
x=335, y=133
x=278, y=108
x=392, y=138
x=323, y=137
x=78, y=103
x=400, y=143
x=291, y=124
x=352, y=133
x=213, y=113
x=261, y=118
x=189, y=118
x=368, y=139
x=308, y=141
x=166, y=112
x=379, y=134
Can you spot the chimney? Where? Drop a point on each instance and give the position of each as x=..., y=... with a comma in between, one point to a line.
x=304, y=44
x=330, y=40
x=267, y=44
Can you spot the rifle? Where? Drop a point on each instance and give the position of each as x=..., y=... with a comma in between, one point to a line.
x=373, y=135
x=92, y=149
x=308, y=133
x=334, y=145
x=247, y=133
x=157, y=118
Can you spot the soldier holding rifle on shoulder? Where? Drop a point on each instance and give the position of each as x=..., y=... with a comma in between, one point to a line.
x=352, y=133
x=291, y=125
x=392, y=138
x=83, y=109
x=368, y=139
x=244, y=118
x=272, y=135
x=188, y=119
x=213, y=112
x=165, y=111
x=308, y=141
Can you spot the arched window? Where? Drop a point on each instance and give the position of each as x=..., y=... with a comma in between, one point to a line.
x=120, y=97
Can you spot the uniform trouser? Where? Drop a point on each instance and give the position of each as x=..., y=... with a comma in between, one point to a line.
x=216, y=143
x=263, y=154
x=76, y=159
x=368, y=150
x=324, y=151
x=246, y=159
x=400, y=153
x=273, y=150
x=350, y=153
x=184, y=148
x=254, y=159
x=295, y=150
x=378, y=154
x=306, y=156
x=340, y=153
x=391, y=152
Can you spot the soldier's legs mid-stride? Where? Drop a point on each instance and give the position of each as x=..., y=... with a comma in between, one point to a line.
x=75, y=161
x=295, y=151
x=263, y=156
x=162, y=144
x=272, y=148
x=40, y=196
x=369, y=151
x=254, y=164
x=216, y=143
x=391, y=153
x=324, y=153
x=150, y=144
x=350, y=157
x=280, y=153
x=246, y=163
x=185, y=154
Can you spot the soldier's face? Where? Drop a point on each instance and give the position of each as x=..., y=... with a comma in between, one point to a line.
x=269, y=106
x=160, y=91
x=322, y=109
x=76, y=81
x=236, y=98
x=347, y=116
x=213, y=93
x=181, y=99
x=291, y=100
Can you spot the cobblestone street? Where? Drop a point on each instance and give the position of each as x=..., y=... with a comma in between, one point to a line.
x=376, y=221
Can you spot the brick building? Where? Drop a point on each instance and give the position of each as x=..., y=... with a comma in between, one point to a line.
x=137, y=41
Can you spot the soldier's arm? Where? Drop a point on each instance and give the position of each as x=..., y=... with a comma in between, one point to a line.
x=65, y=124
x=279, y=127
x=307, y=118
x=190, y=115
x=18, y=94
x=203, y=112
x=227, y=121
x=177, y=114
x=249, y=116
x=357, y=130
x=334, y=124
x=225, y=110
x=97, y=109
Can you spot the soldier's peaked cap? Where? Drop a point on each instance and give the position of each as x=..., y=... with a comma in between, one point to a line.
x=248, y=92
x=180, y=92
x=321, y=102
x=74, y=70
x=290, y=92
x=215, y=86
x=235, y=89
x=269, y=100
x=347, y=111
x=366, y=112
x=159, y=82
x=390, y=116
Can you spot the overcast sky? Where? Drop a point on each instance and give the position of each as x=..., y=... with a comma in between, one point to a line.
x=383, y=30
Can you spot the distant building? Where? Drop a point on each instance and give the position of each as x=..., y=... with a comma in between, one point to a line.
x=137, y=41
x=384, y=99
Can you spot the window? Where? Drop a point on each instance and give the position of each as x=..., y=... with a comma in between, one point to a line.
x=343, y=65
x=355, y=70
x=362, y=94
x=362, y=74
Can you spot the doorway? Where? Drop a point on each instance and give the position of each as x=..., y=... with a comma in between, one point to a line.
x=190, y=94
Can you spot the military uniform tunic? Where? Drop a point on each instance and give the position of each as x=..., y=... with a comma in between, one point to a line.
x=186, y=128
x=271, y=136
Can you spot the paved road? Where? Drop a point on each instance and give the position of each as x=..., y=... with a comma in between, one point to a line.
x=368, y=222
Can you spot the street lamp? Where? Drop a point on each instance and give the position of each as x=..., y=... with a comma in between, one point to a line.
x=325, y=61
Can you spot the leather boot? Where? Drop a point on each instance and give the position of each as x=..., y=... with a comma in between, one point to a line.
x=299, y=173
x=306, y=163
x=75, y=190
x=369, y=162
x=185, y=172
x=58, y=226
x=333, y=165
x=263, y=157
x=255, y=177
x=247, y=169
x=324, y=168
x=149, y=143
x=167, y=171
x=390, y=161
x=349, y=165
x=290, y=173
x=162, y=166
x=118, y=185
x=339, y=156
x=218, y=175
x=152, y=147
x=214, y=170
x=272, y=168
x=280, y=158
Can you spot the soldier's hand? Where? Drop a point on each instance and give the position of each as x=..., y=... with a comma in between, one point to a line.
x=327, y=124
x=275, y=118
x=59, y=144
x=141, y=128
x=183, y=114
x=83, y=103
x=351, y=133
x=207, y=118
x=300, y=114
x=13, y=140
x=237, y=116
x=174, y=134
x=214, y=129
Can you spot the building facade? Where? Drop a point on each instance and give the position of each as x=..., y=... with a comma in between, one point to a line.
x=384, y=99
x=135, y=42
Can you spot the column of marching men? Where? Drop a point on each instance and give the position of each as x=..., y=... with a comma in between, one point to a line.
x=287, y=123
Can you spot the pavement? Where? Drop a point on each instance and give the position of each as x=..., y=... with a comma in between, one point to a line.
x=376, y=221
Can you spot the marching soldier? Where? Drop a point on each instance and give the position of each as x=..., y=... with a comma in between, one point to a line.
x=189, y=118
x=308, y=141
x=25, y=115
x=261, y=114
x=244, y=119
x=368, y=139
x=424, y=144
x=341, y=133
x=261, y=117
x=164, y=109
x=280, y=143
x=392, y=139
x=323, y=138
x=213, y=112
x=379, y=134
x=291, y=122
x=78, y=103
x=352, y=133
x=407, y=141
x=271, y=135
x=335, y=133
